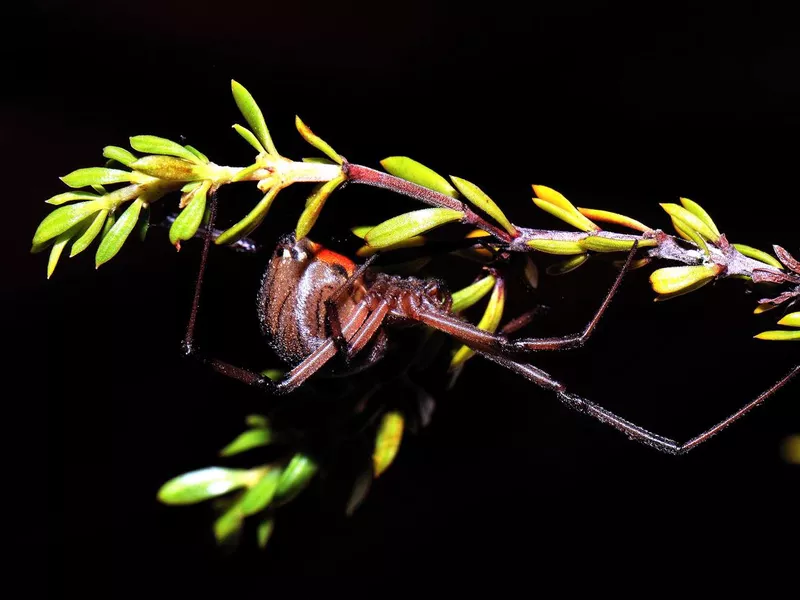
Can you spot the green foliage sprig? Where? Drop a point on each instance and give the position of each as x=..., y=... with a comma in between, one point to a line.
x=108, y=203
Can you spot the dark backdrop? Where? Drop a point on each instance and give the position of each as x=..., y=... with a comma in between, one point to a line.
x=617, y=107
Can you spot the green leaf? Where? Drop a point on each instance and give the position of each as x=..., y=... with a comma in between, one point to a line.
x=691, y=220
x=387, y=442
x=614, y=218
x=316, y=141
x=152, y=144
x=251, y=222
x=410, y=170
x=295, y=477
x=253, y=115
x=557, y=205
x=203, y=484
x=314, y=206
x=779, y=336
x=117, y=235
x=64, y=217
x=265, y=529
x=470, y=295
x=88, y=236
x=573, y=217
x=556, y=246
x=757, y=254
x=259, y=421
x=489, y=322
x=70, y=196
x=203, y=158
x=566, y=266
x=228, y=524
x=185, y=225
x=120, y=155
x=479, y=198
x=58, y=247
x=319, y=160
x=245, y=172
x=361, y=231
x=600, y=243
x=791, y=320
x=171, y=168
x=252, y=438
x=671, y=280
x=686, y=231
x=249, y=137
x=258, y=497
x=410, y=224
x=698, y=211
x=95, y=176
x=273, y=374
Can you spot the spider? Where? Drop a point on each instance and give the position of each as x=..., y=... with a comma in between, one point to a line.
x=315, y=303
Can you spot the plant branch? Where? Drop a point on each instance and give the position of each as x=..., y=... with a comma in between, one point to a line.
x=367, y=176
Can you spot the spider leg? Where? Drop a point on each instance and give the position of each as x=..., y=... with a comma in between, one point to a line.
x=633, y=431
x=575, y=340
x=332, y=320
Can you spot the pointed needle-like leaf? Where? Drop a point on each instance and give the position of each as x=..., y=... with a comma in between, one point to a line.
x=671, y=280
x=565, y=266
x=387, y=441
x=265, y=529
x=479, y=198
x=249, y=137
x=59, y=199
x=253, y=115
x=251, y=222
x=410, y=170
x=64, y=217
x=258, y=497
x=252, y=438
x=788, y=335
x=152, y=144
x=295, y=477
x=58, y=246
x=568, y=247
x=489, y=322
x=472, y=294
x=700, y=213
x=791, y=320
x=88, y=236
x=691, y=220
x=95, y=176
x=203, y=484
x=203, y=158
x=316, y=141
x=115, y=238
x=757, y=254
x=605, y=216
x=186, y=224
x=120, y=155
x=410, y=224
x=314, y=206
x=557, y=205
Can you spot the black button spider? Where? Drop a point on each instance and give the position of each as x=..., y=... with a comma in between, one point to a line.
x=314, y=304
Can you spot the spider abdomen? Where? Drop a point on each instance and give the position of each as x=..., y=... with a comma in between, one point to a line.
x=291, y=302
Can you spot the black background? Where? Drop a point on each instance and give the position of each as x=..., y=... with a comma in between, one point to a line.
x=618, y=107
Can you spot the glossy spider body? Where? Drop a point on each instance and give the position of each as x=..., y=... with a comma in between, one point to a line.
x=314, y=304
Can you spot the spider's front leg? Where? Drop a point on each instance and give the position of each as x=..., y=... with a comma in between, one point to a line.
x=575, y=340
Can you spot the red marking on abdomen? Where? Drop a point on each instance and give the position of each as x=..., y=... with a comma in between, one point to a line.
x=334, y=258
